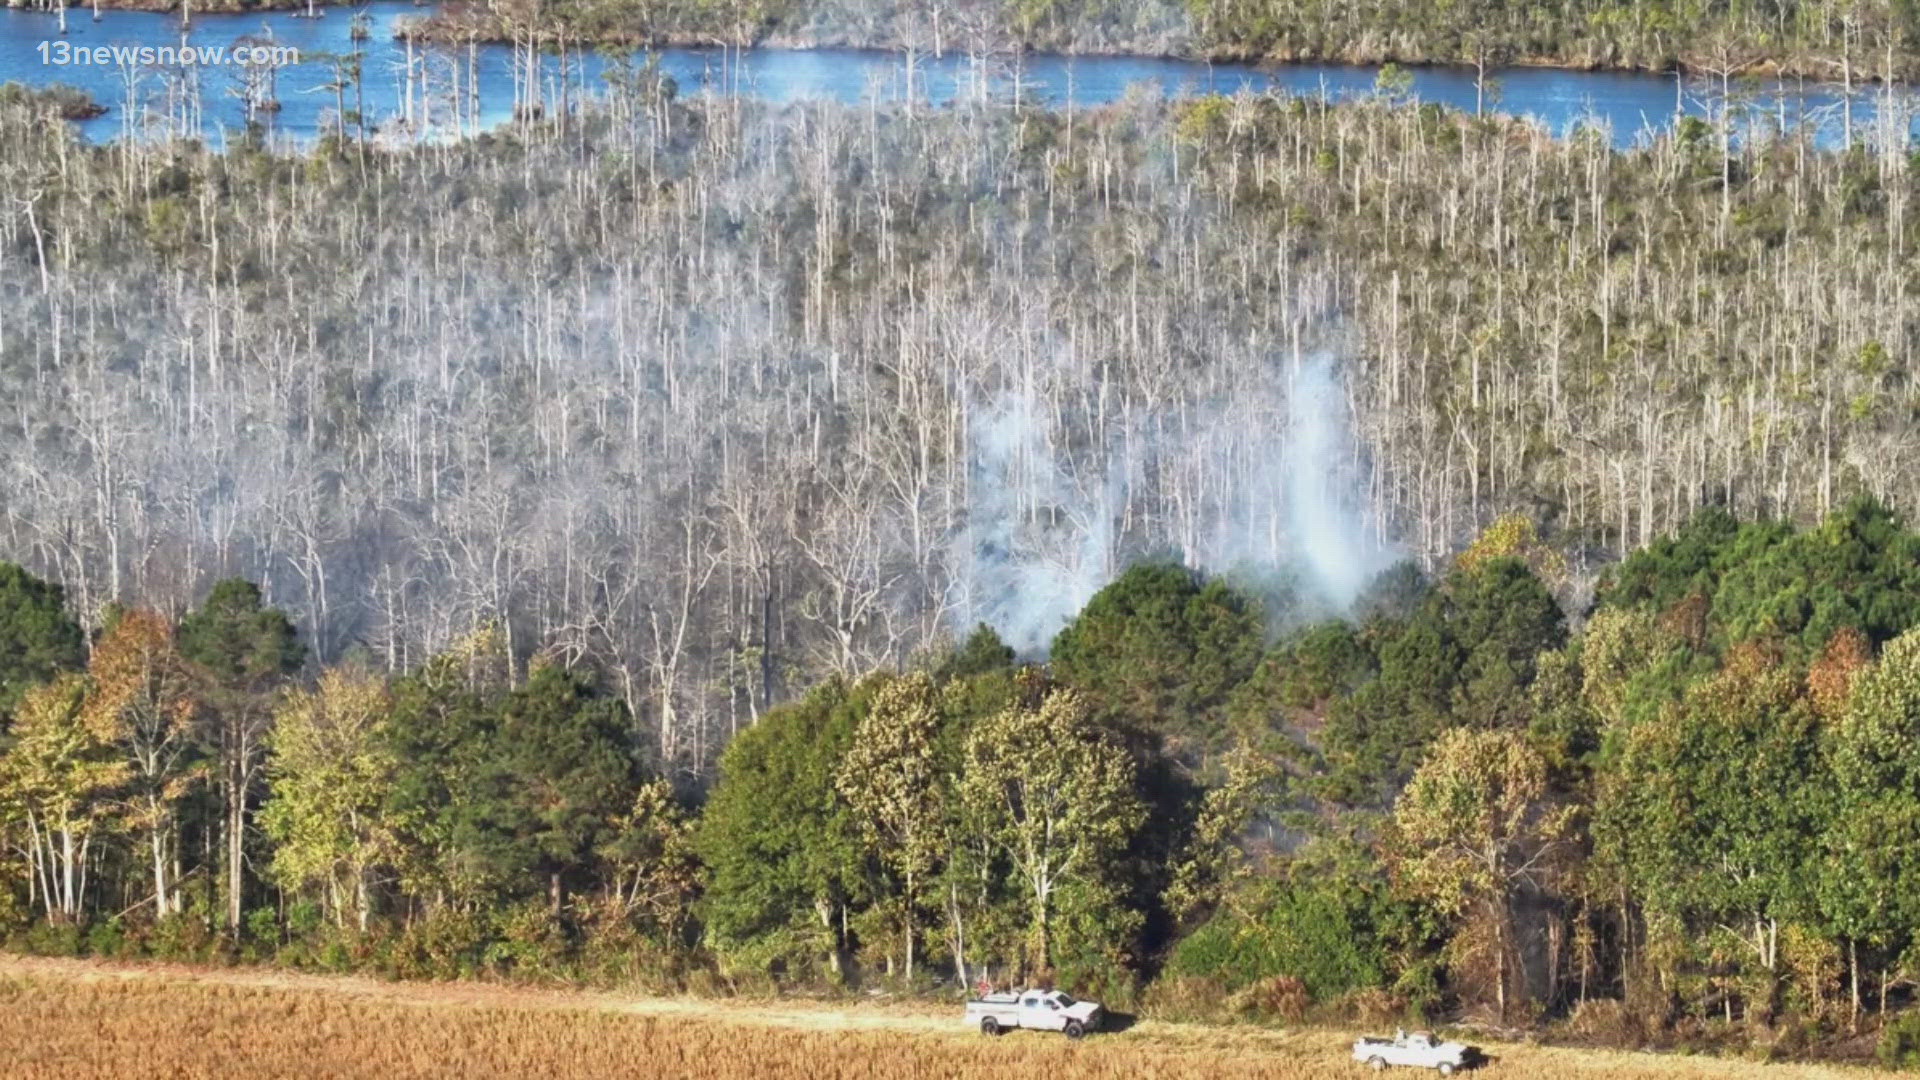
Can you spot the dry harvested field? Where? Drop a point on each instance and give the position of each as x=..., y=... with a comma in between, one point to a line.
x=77, y=1020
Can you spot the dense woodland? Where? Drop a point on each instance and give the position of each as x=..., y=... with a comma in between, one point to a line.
x=542, y=554
x=1691, y=821
x=1837, y=40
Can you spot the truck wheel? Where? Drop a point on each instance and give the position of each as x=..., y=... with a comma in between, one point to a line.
x=1075, y=1029
x=1376, y=1063
x=1446, y=1068
x=989, y=1026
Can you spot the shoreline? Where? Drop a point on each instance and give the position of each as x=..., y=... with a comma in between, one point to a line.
x=456, y=24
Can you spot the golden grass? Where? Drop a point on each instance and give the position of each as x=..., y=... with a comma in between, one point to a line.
x=77, y=1020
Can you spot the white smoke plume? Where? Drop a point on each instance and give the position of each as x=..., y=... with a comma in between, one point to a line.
x=1261, y=485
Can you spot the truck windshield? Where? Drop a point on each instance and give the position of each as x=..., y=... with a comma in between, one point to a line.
x=1066, y=999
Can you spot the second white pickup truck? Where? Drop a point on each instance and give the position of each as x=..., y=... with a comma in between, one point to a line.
x=1419, y=1050
x=1042, y=1010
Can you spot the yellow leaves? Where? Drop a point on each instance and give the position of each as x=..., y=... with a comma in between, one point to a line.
x=334, y=719
x=49, y=714
x=1475, y=815
x=58, y=765
x=1224, y=813
x=1514, y=536
x=330, y=770
x=888, y=776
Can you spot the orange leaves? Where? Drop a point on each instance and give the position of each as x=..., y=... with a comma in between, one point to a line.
x=142, y=687
x=1830, y=678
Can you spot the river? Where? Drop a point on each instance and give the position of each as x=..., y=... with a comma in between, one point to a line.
x=210, y=98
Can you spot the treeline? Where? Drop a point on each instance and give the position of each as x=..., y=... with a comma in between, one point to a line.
x=1689, y=819
x=1845, y=41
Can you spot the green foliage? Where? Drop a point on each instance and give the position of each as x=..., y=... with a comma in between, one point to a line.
x=1467, y=658
x=1211, y=862
x=890, y=781
x=1324, y=931
x=1870, y=884
x=237, y=638
x=1300, y=678
x=37, y=637
x=1054, y=793
x=1161, y=649
x=446, y=787
x=1714, y=809
x=982, y=652
x=1899, y=1046
x=561, y=776
x=784, y=851
x=1859, y=569
x=1393, y=81
x=1728, y=582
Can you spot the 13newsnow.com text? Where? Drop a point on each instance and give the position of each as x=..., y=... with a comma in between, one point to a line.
x=61, y=53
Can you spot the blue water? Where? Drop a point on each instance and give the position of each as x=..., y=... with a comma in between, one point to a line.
x=141, y=100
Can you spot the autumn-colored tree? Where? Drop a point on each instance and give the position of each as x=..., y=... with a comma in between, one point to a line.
x=331, y=766
x=63, y=775
x=1831, y=677
x=1056, y=795
x=890, y=779
x=147, y=696
x=654, y=870
x=1630, y=665
x=1212, y=861
x=1476, y=826
x=1515, y=536
x=1870, y=884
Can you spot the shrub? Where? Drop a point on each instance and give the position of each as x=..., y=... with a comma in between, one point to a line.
x=44, y=939
x=531, y=944
x=1375, y=1007
x=108, y=939
x=1608, y=1021
x=1187, y=998
x=262, y=934
x=1900, y=1041
x=1282, y=997
x=1305, y=932
x=184, y=936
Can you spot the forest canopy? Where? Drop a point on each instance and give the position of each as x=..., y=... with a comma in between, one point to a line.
x=1456, y=805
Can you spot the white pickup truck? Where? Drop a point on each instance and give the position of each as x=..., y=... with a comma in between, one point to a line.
x=1418, y=1050
x=1043, y=1010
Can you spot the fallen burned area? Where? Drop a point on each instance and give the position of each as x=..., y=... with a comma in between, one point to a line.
x=78, y=1020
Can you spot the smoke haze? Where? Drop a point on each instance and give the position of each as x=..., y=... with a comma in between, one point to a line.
x=1262, y=486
